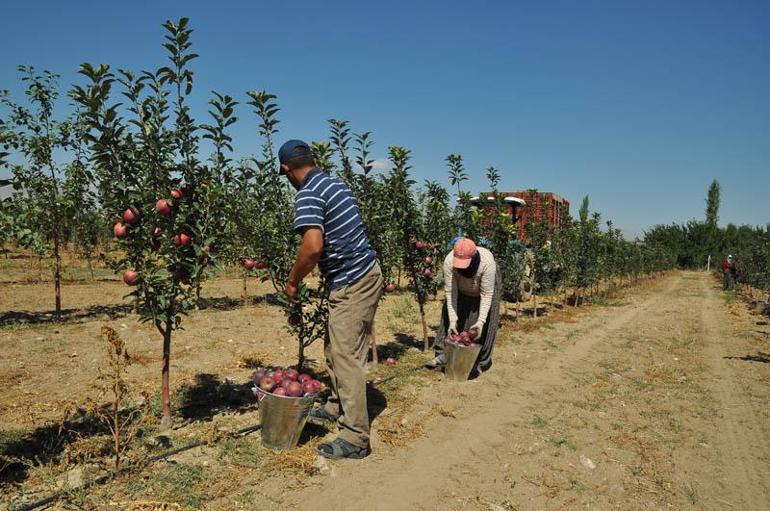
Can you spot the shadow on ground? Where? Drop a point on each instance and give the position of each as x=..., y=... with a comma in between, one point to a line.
x=408, y=341
x=119, y=310
x=67, y=315
x=208, y=396
x=22, y=450
x=761, y=357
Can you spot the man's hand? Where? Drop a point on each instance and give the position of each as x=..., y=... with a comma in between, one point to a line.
x=290, y=290
x=478, y=327
x=453, y=328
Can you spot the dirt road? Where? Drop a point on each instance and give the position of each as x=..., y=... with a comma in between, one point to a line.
x=657, y=402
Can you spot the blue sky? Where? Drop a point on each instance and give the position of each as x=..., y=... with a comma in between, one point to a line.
x=640, y=105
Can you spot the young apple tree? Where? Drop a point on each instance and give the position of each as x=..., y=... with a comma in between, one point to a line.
x=51, y=182
x=273, y=239
x=420, y=257
x=151, y=180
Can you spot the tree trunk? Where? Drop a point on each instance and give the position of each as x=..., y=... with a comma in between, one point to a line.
x=518, y=310
x=426, y=344
x=118, y=388
x=165, y=397
x=197, y=293
x=373, y=343
x=301, y=356
x=534, y=305
x=245, y=293
x=57, y=274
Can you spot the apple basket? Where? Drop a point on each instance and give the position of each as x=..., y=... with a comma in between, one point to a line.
x=282, y=418
x=460, y=359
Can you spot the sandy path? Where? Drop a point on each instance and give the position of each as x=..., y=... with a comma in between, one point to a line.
x=611, y=411
x=743, y=444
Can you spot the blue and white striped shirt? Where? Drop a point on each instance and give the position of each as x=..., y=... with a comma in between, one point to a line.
x=326, y=202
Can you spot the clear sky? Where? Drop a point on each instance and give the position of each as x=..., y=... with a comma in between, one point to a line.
x=638, y=104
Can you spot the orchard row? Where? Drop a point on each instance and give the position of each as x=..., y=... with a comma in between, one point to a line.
x=130, y=166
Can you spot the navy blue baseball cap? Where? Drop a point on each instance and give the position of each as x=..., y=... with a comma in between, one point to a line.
x=293, y=149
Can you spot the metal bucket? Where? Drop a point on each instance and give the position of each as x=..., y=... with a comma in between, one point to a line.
x=282, y=419
x=460, y=360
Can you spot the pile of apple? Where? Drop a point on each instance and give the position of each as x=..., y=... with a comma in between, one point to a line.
x=465, y=338
x=284, y=382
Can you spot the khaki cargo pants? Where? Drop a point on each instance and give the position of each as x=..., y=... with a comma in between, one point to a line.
x=351, y=314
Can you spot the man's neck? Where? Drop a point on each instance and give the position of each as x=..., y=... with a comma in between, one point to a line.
x=303, y=173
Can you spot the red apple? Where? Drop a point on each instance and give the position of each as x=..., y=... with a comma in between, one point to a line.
x=391, y=361
x=279, y=391
x=260, y=265
x=294, y=389
x=291, y=374
x=302, y=378
x=419, y=245
x=390, y=288
x=120, y=230
x=308, y=388
x=267, y=384
x=130, y=277
x=176, y=193
x=257, y=375
x=248, y=264
x=163, y=207
x=427, y=273
x=182, y=239
x=278, y=376
x=131, y=216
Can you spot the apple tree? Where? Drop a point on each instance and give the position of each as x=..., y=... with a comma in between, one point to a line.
x=151, y=181
x=50, y=178
x=419, y=257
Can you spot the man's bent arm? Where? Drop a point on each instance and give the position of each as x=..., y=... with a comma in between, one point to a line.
x=309, y=254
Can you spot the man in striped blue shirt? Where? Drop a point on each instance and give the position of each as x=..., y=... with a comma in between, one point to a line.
x=334, y=238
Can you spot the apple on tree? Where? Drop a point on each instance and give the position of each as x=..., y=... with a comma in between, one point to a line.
x=163, y=208
x=130, y=277
x=120, y=230
x=131, y=216
x=182, y=239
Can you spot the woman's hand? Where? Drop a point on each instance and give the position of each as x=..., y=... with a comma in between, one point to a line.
x=478, y=327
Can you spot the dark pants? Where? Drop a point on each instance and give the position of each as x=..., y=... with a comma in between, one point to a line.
x=467, y=315
x=729, y=280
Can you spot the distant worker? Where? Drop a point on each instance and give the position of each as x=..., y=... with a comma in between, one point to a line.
x=473, y=289
x=728, y=273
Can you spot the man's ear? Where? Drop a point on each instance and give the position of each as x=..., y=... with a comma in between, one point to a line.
x=285, y=168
